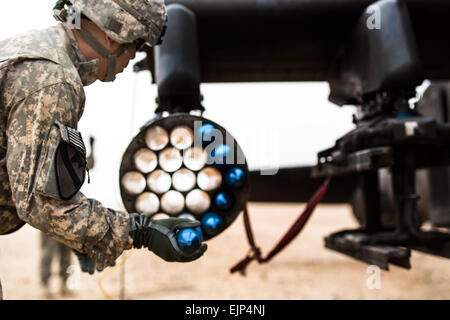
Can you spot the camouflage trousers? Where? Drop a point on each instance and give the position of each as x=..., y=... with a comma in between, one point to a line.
x=53, y=249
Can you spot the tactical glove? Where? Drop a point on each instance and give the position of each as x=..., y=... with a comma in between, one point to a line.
x=86, y=263
x=159, y=236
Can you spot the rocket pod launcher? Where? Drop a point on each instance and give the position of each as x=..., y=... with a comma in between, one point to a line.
x=185, y=166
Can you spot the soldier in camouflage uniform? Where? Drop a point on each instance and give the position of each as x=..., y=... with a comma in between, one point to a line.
x=42, y=74
x=50, y=250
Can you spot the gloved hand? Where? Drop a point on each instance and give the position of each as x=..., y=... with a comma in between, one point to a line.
x=86, y=263
x=159, y=236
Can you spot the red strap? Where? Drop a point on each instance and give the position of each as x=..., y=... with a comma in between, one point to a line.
x=294, y=230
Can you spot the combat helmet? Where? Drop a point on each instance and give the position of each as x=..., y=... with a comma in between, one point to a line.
x=128, y=22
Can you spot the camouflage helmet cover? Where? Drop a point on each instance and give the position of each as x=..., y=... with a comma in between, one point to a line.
x=126, y=21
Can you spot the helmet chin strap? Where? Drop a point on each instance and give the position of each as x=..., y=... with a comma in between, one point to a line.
x=105, y=53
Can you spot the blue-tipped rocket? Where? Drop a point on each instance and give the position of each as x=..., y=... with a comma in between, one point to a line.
x=235, y=177
x=219, y=155
x=206, y=134
x=212, y=223
x=224, y=200
x=189, y=240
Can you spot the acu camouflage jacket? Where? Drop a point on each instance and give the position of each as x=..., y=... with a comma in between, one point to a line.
x=42, y=74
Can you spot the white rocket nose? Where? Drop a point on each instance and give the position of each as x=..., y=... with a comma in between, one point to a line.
x=172, y=202
x=145, y=160
x=133, y=182
x=147, y=203
x=182, y=137
x=195, y=158
x=183, y=180
x=198, y=201
x=170, y=159
x=159, y=181
x=156, y=138
x=209, y=179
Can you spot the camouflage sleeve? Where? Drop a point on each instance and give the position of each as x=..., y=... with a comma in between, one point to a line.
x=80, y=223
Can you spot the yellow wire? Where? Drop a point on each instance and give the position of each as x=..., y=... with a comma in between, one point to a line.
x=107, y=273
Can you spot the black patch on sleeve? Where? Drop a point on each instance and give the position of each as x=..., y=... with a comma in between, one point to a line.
x=70, y=164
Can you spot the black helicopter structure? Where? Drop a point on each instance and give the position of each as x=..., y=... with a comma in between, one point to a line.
x=394, y=167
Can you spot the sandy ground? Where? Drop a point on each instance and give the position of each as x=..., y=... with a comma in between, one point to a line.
x=304, y=270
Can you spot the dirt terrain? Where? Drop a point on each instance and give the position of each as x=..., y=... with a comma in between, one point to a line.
x=304, y=270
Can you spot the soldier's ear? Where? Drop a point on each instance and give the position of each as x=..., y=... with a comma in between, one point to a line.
x=111, y=44
x=108, y=41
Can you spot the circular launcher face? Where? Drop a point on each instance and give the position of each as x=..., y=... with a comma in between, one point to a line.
x=185, y=166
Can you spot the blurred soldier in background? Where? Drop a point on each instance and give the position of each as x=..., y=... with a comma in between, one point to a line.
x=54, y=249
x=42, y=155
x=90, y=159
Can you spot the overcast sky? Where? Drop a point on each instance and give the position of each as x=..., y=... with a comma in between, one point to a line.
x=281, y=124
